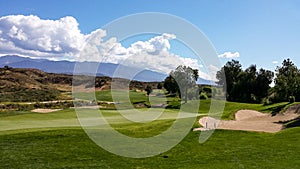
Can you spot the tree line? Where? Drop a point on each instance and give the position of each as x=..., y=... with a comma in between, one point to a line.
x=253, y=86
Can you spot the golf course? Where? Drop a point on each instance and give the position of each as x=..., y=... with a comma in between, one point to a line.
x=150, y=84
x=56, y=140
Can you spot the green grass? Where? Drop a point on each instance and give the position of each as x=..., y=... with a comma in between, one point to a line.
x=56, y=140
x=127, y=97
x=232, y=107
x=71, y=148
x=16, y=120
x=120, y=95
x=13, y=113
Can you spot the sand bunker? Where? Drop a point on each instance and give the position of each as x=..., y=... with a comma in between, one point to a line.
x=45, y=110
x=249, y=120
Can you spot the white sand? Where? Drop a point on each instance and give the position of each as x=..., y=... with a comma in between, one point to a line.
x=45, y=110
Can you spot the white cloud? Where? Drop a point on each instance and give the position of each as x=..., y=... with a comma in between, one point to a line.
x=229, y=55
x=62, y=39
x=152, y=54
x=35, y=37
x=275, y=62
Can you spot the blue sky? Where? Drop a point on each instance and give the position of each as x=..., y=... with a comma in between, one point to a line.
x=262, y=31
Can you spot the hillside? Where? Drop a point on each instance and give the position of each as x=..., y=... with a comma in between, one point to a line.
x=31, y=85
x=12, y=79
x=24, y=84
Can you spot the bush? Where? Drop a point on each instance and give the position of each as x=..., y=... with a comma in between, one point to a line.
x=159, y=86
x=208, y=91
x=266, y=101
x=254, y=99
x=148, y=89
x=292, y=99
x=30, y=95
x=203, y=96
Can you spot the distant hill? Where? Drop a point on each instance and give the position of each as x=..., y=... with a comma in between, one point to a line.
x=67, y=67
x=31, y=85
x=24, y=78
x=27, y=84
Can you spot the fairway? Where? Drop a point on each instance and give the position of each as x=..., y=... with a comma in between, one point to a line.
x=56, y=140
x=71, y=148
x=68, y=118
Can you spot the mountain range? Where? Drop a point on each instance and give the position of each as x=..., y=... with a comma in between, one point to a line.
x=103, y=69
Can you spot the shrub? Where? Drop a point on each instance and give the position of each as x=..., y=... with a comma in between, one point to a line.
x=292, y=99
x=254, y=99
x=159, y=86
x=148, y=89
x=266, y=101
x=208, y=91
x=203, y=96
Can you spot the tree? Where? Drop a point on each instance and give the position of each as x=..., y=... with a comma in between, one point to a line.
x=228, y=77
x=245, y=86
x=159, y=86
x=148, y=89
x=181, y=80
x=7, y=67
x=171, y=85
x=287, y=81
x=262, y=86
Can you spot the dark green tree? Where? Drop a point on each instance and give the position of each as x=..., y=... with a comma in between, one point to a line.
x=287, y=81
x=171, y=85
x=148, y=89
x=247, y=83
x=7, y=67
x=159, y=86
x=228, y=77
x=245, y=86
x=262, y=85
x=186, y=78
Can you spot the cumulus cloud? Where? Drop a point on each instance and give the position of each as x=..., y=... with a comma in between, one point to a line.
x=32, y=36
x=155, y=45
x=61, y=39
x=229, y=55
x=275, y=62
x=152, y=54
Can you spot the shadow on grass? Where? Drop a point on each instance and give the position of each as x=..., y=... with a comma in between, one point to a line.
x=173, y=105
x=277, y=109
x=291, y=123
